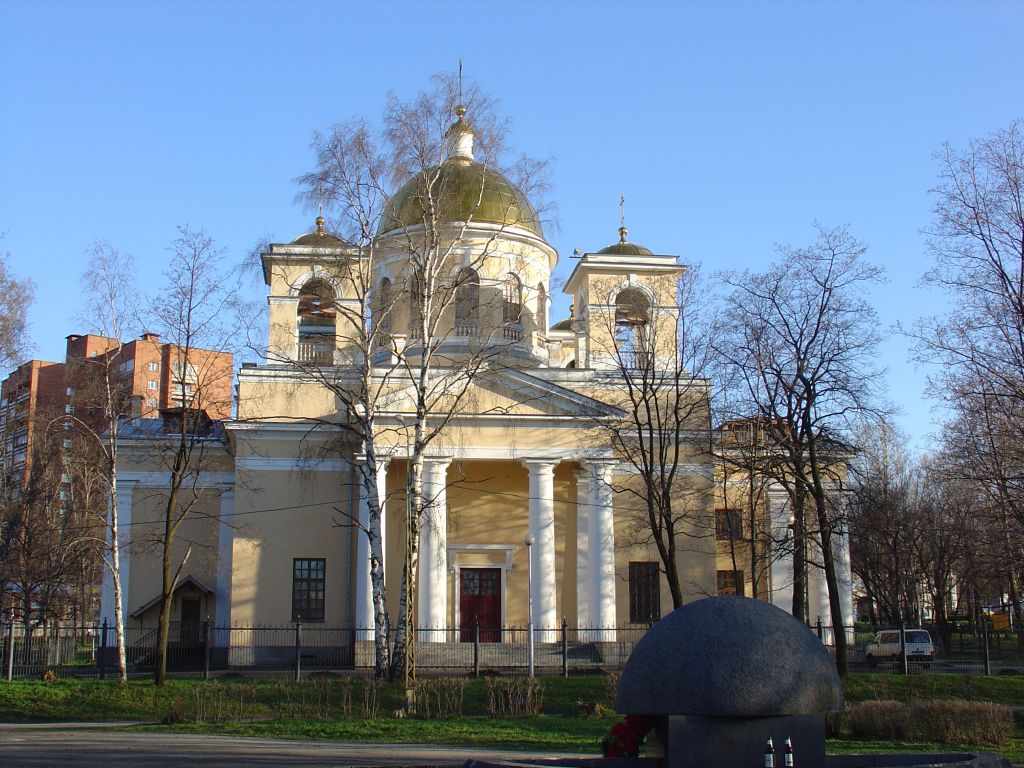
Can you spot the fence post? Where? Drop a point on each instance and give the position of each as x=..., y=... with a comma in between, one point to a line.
x=10, y=650
x=298, y=650
x=206, y=649
x=103, y=650
x=984, y=643
x=476, y=647
x=821, y=633
x=904, y=669
x=565, y=647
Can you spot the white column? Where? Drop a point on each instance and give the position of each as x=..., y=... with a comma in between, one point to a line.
x=285, y=347
x=125, y=488
x=542, y=528
x=781, y=570
x=364, y=616
x=107, y=584
x=225, y=554
x=845, y=577
x=433, y=580
x=602, y=552
x=583, y=503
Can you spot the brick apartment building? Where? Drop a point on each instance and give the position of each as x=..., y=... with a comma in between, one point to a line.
x=150, y=373
x=51, y=483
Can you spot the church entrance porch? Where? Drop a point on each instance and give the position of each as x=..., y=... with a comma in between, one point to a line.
x=480, y=604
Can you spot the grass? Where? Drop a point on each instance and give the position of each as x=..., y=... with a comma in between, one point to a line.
x=278, y=709
x=542, y=732
x=1008, y=690
x=98, y=700
x=1014, y=752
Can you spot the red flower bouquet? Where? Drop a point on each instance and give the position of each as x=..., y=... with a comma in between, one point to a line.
x=627, y=737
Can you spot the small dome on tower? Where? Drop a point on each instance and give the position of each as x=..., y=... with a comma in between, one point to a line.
x=625, y=248
x=320, y=237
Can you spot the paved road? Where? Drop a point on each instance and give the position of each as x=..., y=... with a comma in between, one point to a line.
x=73, y=746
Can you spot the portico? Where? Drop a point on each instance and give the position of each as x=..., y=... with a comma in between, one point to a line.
x=472, y=564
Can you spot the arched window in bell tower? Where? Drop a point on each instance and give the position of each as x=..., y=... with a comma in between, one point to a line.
x=385, y=306
x=467, y=303
x=632, y=319
x=317, y=319
x=542, y=310
x=512, y=308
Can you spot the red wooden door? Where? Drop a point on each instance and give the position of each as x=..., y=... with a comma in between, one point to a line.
x=480, y=601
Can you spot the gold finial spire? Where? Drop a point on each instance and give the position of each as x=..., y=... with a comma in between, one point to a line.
x=460, y=89
x=459, y=134
x=622, y=219
x=320, y=209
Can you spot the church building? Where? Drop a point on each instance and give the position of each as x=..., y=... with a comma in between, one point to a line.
x=526, y=480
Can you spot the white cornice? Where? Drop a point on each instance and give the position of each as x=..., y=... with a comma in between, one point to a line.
x=281, y=430
x=291, y=464
x=162, y=479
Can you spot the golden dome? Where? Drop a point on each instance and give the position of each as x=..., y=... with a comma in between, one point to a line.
x=463, y=191
x=319, y=238
x=624, y=248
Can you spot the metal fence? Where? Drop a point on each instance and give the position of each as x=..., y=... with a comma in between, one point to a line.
x=204, y=649
x=959, y=648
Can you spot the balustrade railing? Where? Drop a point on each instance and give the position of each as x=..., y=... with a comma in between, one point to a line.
x=316, y=352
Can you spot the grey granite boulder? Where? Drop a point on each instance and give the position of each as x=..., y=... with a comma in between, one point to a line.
x=729, y=657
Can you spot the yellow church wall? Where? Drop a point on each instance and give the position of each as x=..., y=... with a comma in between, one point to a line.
x=695, y=542
x=290, y=514
x=267, y=398
x=197, y=535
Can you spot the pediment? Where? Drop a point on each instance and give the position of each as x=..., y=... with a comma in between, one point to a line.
x=514, y=392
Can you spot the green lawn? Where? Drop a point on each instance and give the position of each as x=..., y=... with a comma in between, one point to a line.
x=576, y=713
x=1008, y=689
x=543, y=732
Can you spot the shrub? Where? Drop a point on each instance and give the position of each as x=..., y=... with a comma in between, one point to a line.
x=440, y=698
x=178, y=713
x=835, y=724
x=345, y=697
x=371, y=700
x=514, y=696
x=941, y=721
x=611, y=688
x=962, y=722
x=877, y=720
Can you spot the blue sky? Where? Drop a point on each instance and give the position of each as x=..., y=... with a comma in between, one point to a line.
x=730, y=127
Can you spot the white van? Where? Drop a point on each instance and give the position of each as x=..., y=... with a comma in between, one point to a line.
x=886, y=646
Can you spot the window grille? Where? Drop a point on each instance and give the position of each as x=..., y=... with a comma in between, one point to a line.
x=308, y=579
x=644, y=593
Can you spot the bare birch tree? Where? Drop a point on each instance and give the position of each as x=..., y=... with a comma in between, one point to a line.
x=102, y=402
x=399, y=173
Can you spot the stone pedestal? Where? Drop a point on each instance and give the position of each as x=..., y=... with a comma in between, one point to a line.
x=695, y=741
